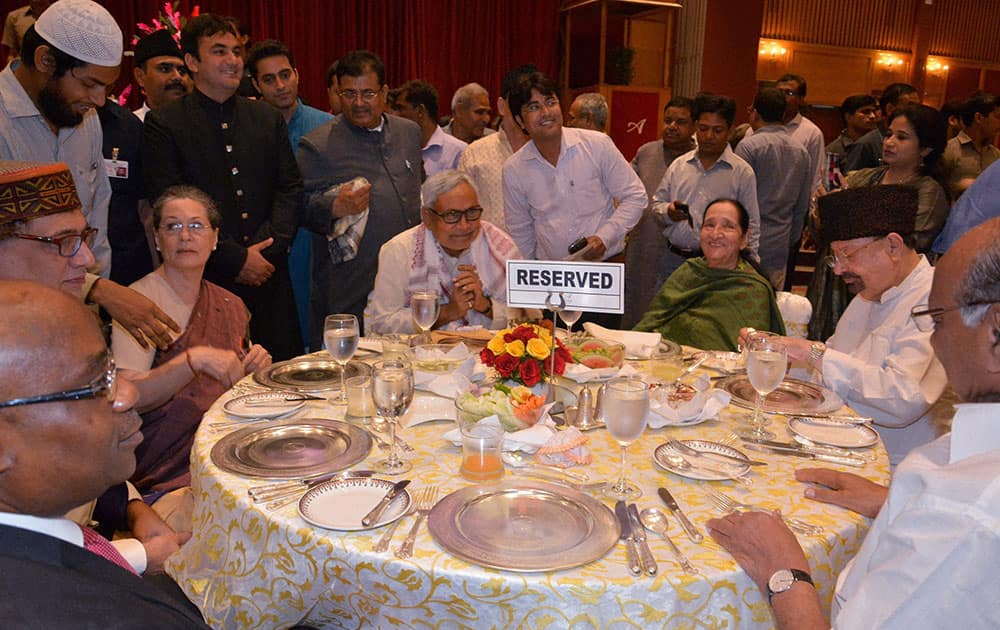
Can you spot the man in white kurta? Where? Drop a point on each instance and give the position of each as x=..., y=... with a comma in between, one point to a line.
x=463, y=261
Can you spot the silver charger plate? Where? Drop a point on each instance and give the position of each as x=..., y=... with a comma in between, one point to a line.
x=341, y=503
x=696, y=472
x=523, y=526
x=291, y=449
x=308, y=374
x=834, y=433
x=792, y=396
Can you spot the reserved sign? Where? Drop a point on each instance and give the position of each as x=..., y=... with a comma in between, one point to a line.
x=585, y=286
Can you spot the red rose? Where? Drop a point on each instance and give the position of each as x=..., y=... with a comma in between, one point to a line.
x=505, y=364
x=524, y=333
x=560, y=364
x=507, y=338
x=531, y=373
x=487, y=357
x=564, y=354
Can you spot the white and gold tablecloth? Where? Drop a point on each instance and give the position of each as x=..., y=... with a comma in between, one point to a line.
x=245, y=567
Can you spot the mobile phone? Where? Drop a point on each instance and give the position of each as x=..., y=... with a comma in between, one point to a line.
x=578, y=244
x=682, y=207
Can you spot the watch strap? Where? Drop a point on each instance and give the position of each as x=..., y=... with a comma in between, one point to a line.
x=798, y=575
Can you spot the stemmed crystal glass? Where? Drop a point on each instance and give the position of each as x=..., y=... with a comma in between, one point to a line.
x=569, y=318
x=626, y=404
x=392, y=391
x=341, y=334
x=425, y=307
x=766, y=360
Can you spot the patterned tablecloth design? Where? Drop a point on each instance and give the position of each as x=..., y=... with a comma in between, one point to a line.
x=248, y=568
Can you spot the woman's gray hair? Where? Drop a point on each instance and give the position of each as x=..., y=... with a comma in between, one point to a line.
x=441, y=182
x=980, y=288
x=181, y=191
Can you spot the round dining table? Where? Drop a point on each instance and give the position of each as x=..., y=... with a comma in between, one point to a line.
x=248, y=567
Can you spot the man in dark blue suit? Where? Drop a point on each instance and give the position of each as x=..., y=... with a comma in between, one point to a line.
x=67, y=434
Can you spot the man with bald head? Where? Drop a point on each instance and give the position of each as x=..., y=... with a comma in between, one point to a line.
x=929, y=559
x=67, y=434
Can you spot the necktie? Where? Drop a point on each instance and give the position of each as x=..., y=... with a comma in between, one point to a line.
x=94, y=542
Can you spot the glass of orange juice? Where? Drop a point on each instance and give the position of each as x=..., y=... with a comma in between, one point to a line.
x=482, y=443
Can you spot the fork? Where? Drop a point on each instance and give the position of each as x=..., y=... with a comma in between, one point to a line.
x=383, y=542
x=728, y=504
x=428, y=497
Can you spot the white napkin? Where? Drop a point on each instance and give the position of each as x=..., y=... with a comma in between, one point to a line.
x=583, y=374
x=704, y=405
x=366, y=343
x=528, y=440
x=452, y=384
x=641, y=344
x=428, y=408
x=458, y=351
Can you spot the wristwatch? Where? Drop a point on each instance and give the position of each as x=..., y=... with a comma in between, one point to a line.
x=783, y=579
x=816, y=350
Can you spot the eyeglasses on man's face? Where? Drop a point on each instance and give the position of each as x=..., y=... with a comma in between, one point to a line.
x=927, y=318
x=846, y=258
x=67, y=244
x=366, y=95
x=106, y=384
x=454, y=216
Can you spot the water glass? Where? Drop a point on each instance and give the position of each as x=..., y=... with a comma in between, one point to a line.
x=392, y=391
x=766, y=360
x=425, y=306
x=360, y=406
x=626, y=404
x=342, y=335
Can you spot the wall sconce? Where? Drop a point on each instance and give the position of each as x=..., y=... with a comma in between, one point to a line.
x=771, y=50
x=888, y=60
x=935, y=66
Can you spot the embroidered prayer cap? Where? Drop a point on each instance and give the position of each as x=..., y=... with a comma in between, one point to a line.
x=867, y=211
x=29, y=190
x=83, y=30
x=157, y=44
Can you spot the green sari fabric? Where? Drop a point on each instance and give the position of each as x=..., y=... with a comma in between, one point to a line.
x=706, y=308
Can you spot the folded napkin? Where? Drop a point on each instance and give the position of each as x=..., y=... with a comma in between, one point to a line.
x=528, y=440
x=368, y=343
x=640, y=344
x=583, y=374
x=427, y=409
x=453, y=383
x=704, y=405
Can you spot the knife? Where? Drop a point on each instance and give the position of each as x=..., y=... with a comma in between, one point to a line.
x=691, y=368
x=273, y=491
x=693, y=452
x=372, y=517
x=689, y=528
x=639, y=534
x=789, y=448
x=634, y=564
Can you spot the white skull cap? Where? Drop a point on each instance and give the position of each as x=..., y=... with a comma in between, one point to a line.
x=84, y=30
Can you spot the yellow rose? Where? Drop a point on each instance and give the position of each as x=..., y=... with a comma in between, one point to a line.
x=538, y=349
x=496, y=344
x=515, y=348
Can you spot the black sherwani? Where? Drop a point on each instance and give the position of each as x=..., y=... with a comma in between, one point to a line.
x=390, y=160
x=238, y=153
x=48, y=583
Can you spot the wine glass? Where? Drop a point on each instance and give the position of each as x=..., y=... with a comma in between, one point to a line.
x=425, y=307
x=392, y=391
x=341, y=334
x=626, y=403
x=569, y=318
x=767, y=361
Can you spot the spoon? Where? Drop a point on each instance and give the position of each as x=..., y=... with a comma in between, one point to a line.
x=680, y=463
x=656, y=521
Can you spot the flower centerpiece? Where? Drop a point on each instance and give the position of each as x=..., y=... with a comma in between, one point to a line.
x=522, y=354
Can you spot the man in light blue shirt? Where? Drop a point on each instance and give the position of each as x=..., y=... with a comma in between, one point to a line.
x=417, y=100
x=709, y=172
x=976, y=205
x=564, y=184
x=272, y=69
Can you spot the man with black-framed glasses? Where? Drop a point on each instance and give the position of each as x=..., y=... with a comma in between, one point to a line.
x=454, y=253
x=67, y=434
x=878, y=359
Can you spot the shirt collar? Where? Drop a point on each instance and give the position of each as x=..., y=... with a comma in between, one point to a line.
x=794, y=122
x=15, y=98
x=964, y=138
x=726, y=158
x=436, y=139
x=61, y=528
x=569, y=138
x=206, y=102
x=974, y=430
x=892, y=293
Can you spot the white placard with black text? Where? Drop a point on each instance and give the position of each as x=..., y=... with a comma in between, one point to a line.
x=594, y=287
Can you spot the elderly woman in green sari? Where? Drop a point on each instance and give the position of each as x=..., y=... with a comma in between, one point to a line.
x=709, y=298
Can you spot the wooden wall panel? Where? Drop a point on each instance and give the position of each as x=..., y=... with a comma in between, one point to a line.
x=831, y=74
x=966, y=29
x=884, y=25
x=962, y=81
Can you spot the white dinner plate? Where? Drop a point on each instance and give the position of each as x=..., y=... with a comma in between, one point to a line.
x=263, y=405
x=696, y=472
x=341, y=503
x=834, y=433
